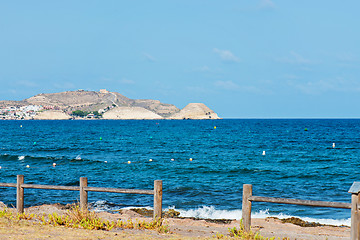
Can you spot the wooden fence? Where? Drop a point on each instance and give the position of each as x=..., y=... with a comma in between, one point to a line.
x=84, y=189
x=248, y=198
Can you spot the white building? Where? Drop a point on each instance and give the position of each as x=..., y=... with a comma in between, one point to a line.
x=104, y=91
x=34, y=108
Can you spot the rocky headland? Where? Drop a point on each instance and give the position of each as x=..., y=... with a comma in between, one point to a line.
x=98, y=105
x=195, y=111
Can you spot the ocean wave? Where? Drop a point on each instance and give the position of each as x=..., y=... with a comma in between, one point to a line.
x=27, y=157
x=210, y=212
x=106, y=206
x=6, y=156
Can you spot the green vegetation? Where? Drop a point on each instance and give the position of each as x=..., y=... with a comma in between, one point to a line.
x=76, y=218
x=80, y=113
x=242, y=234
x=96, y=113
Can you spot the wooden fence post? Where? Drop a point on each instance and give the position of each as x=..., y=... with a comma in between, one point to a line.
x=355, y=213
x=83, y=194
x=19, y=193
x=355, y=230
x=246, y=206
x=157, y=199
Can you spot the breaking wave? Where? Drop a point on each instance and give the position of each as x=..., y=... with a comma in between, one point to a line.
x=209, y=212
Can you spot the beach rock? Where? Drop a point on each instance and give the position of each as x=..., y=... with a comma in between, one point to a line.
x=130, y=113
x=195, y=111
x=171, y=213
x=143, y=211
x=300, y=222
x=52, y=115
x=2, y=205
x=46, y=209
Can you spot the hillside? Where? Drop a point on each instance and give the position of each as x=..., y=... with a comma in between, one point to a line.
x=112, y=105
x=195, y=111
x=130, y=113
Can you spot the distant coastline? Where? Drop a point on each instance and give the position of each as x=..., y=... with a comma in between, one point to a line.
x=89, y=105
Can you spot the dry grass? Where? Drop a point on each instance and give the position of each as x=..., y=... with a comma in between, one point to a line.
x=76, y=224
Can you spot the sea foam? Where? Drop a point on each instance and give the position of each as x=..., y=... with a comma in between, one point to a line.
x=209, y=212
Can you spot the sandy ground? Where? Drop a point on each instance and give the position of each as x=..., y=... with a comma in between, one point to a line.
x=180, y=228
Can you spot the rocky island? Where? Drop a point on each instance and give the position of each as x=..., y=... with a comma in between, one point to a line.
x=98, y=105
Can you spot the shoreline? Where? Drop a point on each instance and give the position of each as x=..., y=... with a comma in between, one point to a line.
x=189, y=228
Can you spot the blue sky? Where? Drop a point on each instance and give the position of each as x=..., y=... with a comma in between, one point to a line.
x=244, y=59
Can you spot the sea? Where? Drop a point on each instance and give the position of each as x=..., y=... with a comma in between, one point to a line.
x=203, y=163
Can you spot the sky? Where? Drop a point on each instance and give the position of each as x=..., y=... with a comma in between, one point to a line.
x=243, y=59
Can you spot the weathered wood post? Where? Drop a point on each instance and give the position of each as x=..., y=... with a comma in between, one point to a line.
x=83, y=194
x=355, y=213
x=246, y=206
x=19, y=193
x=157, y=199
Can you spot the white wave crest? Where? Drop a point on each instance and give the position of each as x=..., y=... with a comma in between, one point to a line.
x=209, y=212
x=21, y=157
x=105, y=206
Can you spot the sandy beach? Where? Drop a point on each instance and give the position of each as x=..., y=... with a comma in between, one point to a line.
x=180, y=228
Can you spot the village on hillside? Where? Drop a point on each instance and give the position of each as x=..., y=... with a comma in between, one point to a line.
x=30, y=111
x=18, y=113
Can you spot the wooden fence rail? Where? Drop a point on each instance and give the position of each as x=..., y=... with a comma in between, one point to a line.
x=301, y=202
x=84, y=189
x=248, y=198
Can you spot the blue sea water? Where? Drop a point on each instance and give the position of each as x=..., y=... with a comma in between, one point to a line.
x=297, y=163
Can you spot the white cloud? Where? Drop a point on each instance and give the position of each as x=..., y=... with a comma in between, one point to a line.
x=204, y=69
x=26, y=83
x=114, y=80
x=347, y=57
x=211, y=71
x=226, y=55
x=106, y=79
x=229, y=85
x=198, y=89
x=64, y=85
x=266, y=4
x=294, y=58
x=127, y=81
x=149, y=58
x=338, y=84
x=291, y=76
x=298, y=58
x=13, y=91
